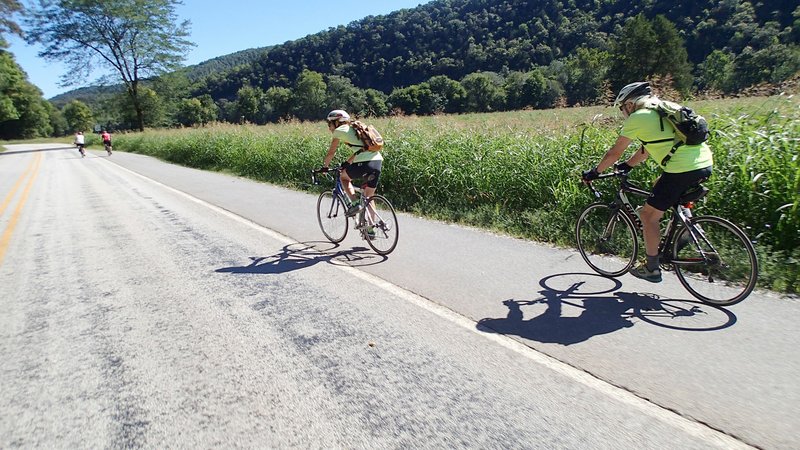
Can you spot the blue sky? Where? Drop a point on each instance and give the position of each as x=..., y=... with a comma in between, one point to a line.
x=222, y=27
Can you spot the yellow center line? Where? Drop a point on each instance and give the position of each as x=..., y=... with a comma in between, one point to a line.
x=16, y=186
x=5, y=239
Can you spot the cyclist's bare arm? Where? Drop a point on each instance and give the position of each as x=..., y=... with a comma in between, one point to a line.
x=614, y=153
x=637, y=157
x=331, y=152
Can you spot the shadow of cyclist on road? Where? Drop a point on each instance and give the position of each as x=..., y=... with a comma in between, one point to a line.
x=302, y=255
x=554, y=318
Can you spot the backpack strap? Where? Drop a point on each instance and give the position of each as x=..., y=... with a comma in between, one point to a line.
x=666, y=158
x=671, y=152
x=360, y=150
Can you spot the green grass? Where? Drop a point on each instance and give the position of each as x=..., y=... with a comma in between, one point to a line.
x=518, y=172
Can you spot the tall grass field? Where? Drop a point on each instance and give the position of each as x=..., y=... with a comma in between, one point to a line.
x=519, y=172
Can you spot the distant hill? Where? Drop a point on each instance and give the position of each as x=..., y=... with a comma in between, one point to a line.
x=220, y=64
x=225, y=63
x=459, y=37
x=89, y=95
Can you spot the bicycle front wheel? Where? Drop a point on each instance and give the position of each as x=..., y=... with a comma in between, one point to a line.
x=718, y=264
x=331, y=217
x=606, y=239
x=382, y=228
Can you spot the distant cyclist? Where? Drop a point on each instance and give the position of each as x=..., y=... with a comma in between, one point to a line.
x=80, y=142
x=690, y=165
x=106, y=137
x=361, y=164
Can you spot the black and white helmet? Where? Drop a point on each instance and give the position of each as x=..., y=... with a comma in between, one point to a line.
x=631, y=91
x=338, y=115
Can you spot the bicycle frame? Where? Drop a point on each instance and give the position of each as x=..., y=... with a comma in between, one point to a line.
x=339, y=192
x=681, y=215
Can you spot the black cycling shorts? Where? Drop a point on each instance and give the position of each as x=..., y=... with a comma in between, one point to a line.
x=670, y=186
x=367, y=171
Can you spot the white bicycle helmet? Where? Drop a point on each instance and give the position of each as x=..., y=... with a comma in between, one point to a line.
x=338, y=115
x=633, y=90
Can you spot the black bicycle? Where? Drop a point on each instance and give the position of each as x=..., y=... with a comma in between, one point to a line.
x=375, y=219
x=713, y=258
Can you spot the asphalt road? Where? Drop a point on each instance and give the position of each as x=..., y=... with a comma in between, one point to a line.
x=149, y=305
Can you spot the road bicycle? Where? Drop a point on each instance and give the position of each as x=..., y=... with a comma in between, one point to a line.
x=713, y=258
x=108, y=148
x=375, y=219
x=81, y=150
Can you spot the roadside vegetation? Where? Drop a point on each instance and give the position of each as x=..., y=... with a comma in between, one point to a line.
x=518, y=172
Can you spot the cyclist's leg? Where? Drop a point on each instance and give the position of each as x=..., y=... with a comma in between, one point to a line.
x=347, y=183
x=667, y=190
x=372, y=176
x=651, y=228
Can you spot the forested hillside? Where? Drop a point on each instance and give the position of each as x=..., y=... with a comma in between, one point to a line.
x=458, y=37
x=457, y=56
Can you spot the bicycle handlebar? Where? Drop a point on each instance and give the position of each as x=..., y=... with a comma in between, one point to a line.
x=625, y=185
x=614, y=174
x=327, y=171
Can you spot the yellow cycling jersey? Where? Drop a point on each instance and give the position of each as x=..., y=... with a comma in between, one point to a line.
x=645, y=125
x=347, y=135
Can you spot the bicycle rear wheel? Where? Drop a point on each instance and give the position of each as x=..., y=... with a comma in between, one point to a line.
x=331, y=216
x=606, y=239
x=380, y=217
x=721, y=267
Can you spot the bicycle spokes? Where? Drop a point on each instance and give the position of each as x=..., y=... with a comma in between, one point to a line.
x=380, y=225
x=719, y=265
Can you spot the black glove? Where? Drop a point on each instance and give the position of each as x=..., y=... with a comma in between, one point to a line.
x=623, y=167
x=324, y=169
x=591, y=174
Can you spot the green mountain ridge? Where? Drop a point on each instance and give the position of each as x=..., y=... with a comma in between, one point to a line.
x=455, y=38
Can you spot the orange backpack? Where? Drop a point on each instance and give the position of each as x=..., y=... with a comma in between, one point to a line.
x=373, y=141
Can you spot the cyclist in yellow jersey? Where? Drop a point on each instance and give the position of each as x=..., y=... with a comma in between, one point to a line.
x=361, y=164
x=688, y=166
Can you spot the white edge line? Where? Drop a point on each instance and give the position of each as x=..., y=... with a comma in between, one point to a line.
x=672, y=418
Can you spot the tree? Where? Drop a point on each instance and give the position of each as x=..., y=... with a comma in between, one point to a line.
x=248, y=102
x=134, y=39
x=376, y=103
x=671, y=57
x=78, y=116
x=309, y=96
x=153, y=110
x=716, y=70
x=484, y=91
x=198, y=110
x=451, y=93
x=645, y=49
x=343, y=95
x=172, y=89
x=11, y=79
x=57, y=121
x=7, y=25
x=414, y=99
x=277, y=103
x=586, y=72
x=630, y=60
x=23, y=111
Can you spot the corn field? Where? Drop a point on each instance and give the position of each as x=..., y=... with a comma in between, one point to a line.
x=519, y=172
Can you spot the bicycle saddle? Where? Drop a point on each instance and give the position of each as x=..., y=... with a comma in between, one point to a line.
x=693, y=194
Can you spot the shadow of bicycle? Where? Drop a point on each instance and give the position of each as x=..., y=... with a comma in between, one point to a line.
x=574, y=307
x=301, y=255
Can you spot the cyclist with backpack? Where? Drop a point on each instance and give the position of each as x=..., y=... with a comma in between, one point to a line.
x=363, y=163
x=684, y=161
